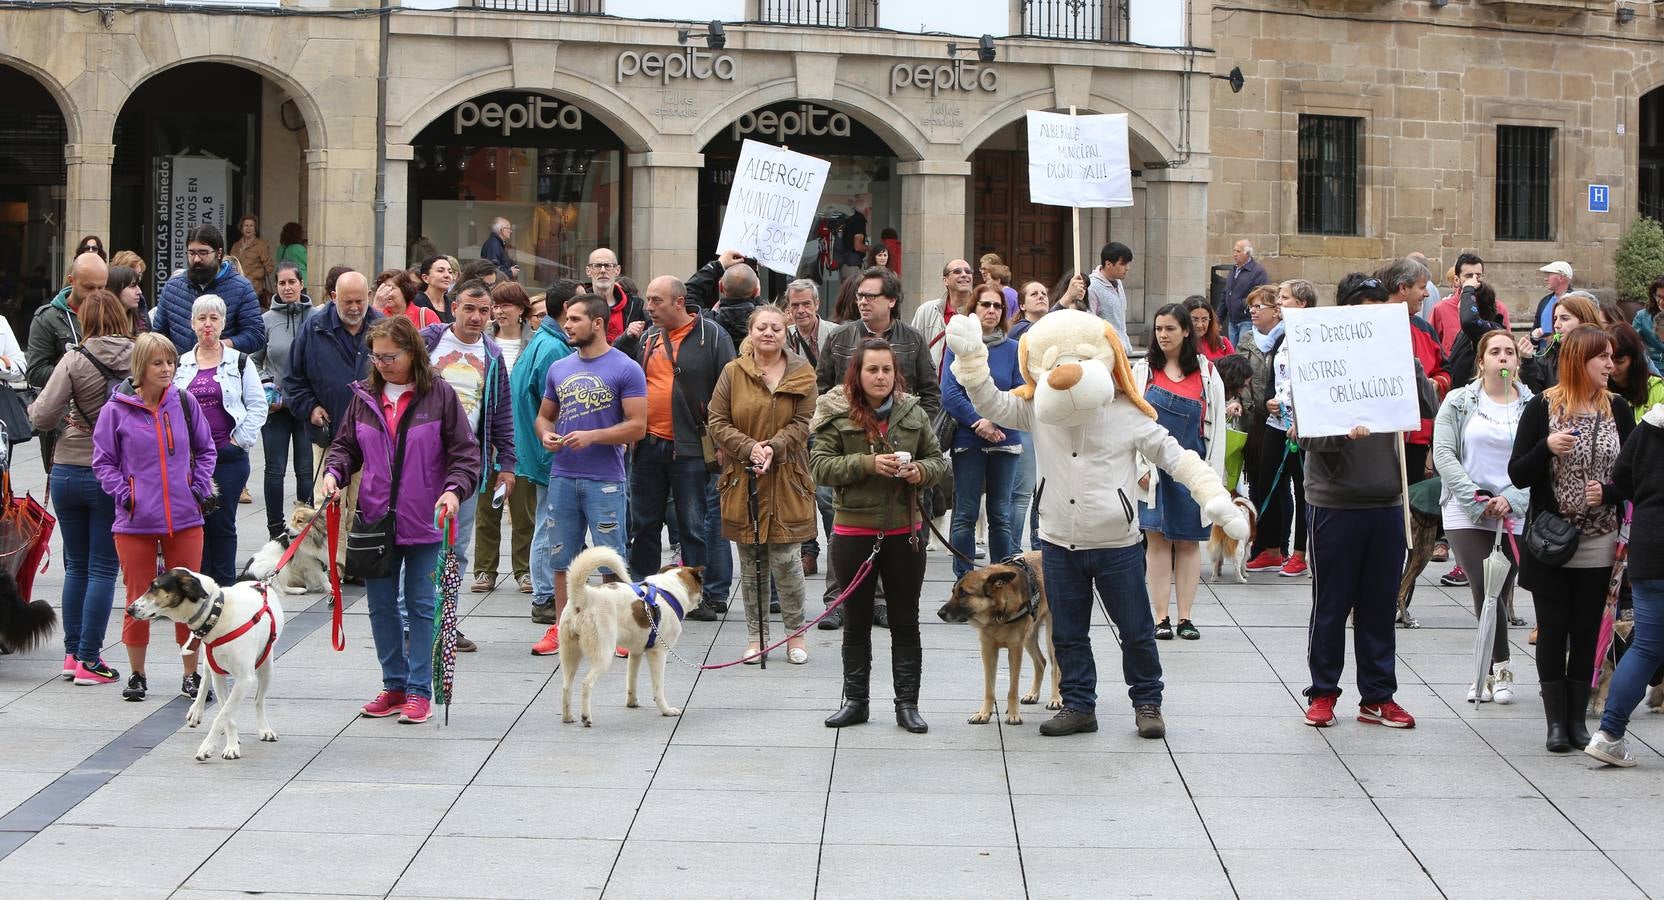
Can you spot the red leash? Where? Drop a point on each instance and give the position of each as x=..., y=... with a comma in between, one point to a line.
x=332, y=514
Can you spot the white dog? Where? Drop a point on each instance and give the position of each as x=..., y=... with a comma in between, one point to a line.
x=238, y=626
x=644, y=618
x=308, y=570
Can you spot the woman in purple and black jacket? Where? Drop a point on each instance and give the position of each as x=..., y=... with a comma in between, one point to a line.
x=441, y=466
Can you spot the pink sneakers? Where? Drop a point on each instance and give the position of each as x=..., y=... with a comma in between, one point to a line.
x=69, y=665
x=1389, y=714
x=97, y=673
x=385, y=704
x=416, y=711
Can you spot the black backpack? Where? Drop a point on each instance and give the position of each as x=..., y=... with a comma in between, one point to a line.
x=1462, y=360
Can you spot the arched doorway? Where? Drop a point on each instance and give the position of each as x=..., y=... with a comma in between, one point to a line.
x=547, y=165
x=1650, y=177
x=862, y=197
x=32, y=180
x=204, y=143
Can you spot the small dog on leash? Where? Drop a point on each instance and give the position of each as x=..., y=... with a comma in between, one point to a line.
x=308, y=571
x=1221, y=545
x=1006, y=604
x=644, y=618
x=238, y=627
x=24, y=624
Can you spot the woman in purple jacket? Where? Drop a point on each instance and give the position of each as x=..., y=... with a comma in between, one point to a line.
x=441, y=466
x=152, y=452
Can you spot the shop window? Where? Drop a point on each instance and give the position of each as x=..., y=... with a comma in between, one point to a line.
x=1524, y=182
x=1328, y=174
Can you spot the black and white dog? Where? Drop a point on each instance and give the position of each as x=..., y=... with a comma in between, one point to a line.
x=238, y=627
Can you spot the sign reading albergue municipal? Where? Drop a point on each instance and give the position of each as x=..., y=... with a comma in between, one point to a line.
x=772, y=205
x=1350, y=366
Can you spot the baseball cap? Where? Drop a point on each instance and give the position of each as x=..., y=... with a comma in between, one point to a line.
x=1558, y=267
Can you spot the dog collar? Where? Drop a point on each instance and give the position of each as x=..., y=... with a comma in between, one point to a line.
x=650, y=595
x=1032, y=604
x=214, y=609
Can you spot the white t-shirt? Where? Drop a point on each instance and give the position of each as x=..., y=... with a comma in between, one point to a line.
x=511, y=348
x=463, y=367
x=1487, y=443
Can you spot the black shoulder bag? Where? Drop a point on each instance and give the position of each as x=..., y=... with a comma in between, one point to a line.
x=370, y=544
x=1550, y=538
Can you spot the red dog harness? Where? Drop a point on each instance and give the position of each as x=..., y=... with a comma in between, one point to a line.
x=265, y=611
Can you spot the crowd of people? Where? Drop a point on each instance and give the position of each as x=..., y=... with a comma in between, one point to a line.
x=600, y=411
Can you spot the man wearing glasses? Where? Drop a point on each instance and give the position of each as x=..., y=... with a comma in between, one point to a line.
x=626, y=316
x=208, y=272
x=931, y=318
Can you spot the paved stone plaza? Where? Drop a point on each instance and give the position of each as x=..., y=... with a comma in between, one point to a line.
x=747, y=794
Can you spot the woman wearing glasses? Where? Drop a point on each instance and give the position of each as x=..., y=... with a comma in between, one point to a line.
x=985, y=456
x=403, y=402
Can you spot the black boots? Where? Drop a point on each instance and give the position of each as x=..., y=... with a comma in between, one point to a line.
x=857, y=672
x=1577, y=704
x=905, y=665
x=1554, y=710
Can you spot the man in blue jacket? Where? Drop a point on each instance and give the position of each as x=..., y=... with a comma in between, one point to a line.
x=208, y=272
x=1246, y=274
x=545, y=347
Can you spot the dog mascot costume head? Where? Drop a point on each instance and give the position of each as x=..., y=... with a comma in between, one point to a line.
x=1079, y=397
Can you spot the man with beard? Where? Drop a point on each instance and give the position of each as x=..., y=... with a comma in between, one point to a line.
x=56, y=328
x=208, y=272
x=594, y=406
x=626, y=315
x=931, y=318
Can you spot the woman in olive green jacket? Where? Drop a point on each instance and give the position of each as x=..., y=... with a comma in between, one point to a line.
x=873, y=445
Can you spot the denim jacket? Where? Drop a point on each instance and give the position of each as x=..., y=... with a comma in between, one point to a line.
x=241, y=392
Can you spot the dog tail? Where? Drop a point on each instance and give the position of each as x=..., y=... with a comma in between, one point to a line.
x=588, y=563
x=24, y=625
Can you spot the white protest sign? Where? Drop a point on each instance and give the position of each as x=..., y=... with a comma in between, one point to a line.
x=1350, y=366
x=772, y=205
x=1078, y=161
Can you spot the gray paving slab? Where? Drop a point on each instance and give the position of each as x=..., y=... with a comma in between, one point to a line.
x=1523, y=873
x=731, y=817
x=1057, y=874
x=974, y=820
x=334, y=807
x=541, y=812
x=1295, y=823
x=1169, y=822
x=1322, y=874
x=1482, y=824
x=308, y=862
x=509, y=868
x=1266, y=775
x=854, y=872
x=107, y=857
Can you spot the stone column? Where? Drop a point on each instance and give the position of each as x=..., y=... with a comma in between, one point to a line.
x=1175, y=222
x=87, y=193
x=933, y=195
x=664, y=215
x=340, y=219
x=393, y=247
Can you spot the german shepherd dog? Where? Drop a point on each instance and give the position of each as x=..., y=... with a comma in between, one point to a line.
x=1007, y=606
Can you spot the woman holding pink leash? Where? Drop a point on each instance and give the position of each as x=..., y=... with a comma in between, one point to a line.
x=1473, y=438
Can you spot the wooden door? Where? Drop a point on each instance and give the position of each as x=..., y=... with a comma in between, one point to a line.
x=1029, y=237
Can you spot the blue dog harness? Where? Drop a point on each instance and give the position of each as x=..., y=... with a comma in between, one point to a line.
x=650, y=595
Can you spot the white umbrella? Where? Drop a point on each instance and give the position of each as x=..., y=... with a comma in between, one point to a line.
x=1496, y=569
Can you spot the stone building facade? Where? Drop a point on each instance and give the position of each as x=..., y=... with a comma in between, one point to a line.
x=1455, y=106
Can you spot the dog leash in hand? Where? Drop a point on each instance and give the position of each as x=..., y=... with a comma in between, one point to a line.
x=332, y=519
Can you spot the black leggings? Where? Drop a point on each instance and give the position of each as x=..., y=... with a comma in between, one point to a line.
x=903, y=569
x=1274, y=523
x=1569, y=605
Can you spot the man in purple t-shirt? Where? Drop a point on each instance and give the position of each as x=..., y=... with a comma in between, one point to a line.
x=594, y=406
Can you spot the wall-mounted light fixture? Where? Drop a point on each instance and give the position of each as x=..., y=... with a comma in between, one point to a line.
x=1626, y=15
x=715, y=38
x=1234, y=77
x=984, y=49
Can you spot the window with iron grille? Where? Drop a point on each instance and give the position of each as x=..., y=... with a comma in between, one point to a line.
x=1327, y=184
x=1524, y=163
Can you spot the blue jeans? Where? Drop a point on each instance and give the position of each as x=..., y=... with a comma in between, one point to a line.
x=1240, y=330
x=577, y=506
x=1118, y=573
x=465, y=515
x=283, y=436
x=1641, y=660
x=657, y=476
x=719, y=557
x=543, y=541
x=1025, y=516
x=85, y=517
x=409, y=671
x=978, y=474
x=219, y=531
x=823, y=503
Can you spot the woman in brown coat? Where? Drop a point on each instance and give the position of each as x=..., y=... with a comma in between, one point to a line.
x=255, y=256
x=760, y=413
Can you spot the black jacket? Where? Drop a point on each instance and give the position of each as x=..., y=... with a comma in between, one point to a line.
x=918, y=372
x=700, y=358
x=1531, y=466
x=1639, y=478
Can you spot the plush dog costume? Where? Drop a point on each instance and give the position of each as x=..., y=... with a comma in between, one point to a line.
x=1090, y=426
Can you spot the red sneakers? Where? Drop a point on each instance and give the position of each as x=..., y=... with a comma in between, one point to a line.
x=550, y=644
x=1389, y=714
x=1268, y=560
x=416, y=711
x=1321, y=712
x=1293, y=567
x=385, y=704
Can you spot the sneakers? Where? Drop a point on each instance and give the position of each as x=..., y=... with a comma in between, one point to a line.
x=703, y=613
x=1476, y=694
x=544, y=613
x=1502, y=683
x=1293, y=567
x=416, y=711
x=69, y=665
x=550, y=644
x=385, y=704
x=1164, y=629
x=1069, y=721
x=1389, y=714
x=833, y=621
x=136, y=688
x=1454, y=578
x=1187, y=630
x=483, y=582
x=96, y=673
x=1321, y=711
x=1266, y=561
x=1150, y=724
x=191, y=683
x=525, y=582
x=1613, y=752
x=1441, y=552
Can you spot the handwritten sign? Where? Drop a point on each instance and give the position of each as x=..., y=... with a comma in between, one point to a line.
x=1352, y=365
x=772, y=205
x=1078, y=161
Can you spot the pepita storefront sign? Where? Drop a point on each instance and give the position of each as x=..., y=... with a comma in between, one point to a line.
x=958, y=76
x=536, y=112
x=667, y=66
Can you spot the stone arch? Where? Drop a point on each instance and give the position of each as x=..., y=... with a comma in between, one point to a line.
x=889, y=123
x=67, y=107
x=1144, y=139
x=316, y=131
x=598, y=100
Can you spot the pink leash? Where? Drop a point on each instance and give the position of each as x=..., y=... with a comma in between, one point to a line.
x=860, y=576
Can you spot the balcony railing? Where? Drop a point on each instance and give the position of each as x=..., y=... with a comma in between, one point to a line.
x=580, y=7
x=819, y=13
x=1076, y=20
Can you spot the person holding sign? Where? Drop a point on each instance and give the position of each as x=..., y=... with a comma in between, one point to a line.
x=1564, y=452
x=1355, y=486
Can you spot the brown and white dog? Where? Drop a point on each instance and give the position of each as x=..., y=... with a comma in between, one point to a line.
x=1006, y=604
x=308, y=570
x=218, y=616
x=601, y=617
x=1222, y=545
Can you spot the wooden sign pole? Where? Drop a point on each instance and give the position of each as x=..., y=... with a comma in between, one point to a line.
x=1075, y=212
